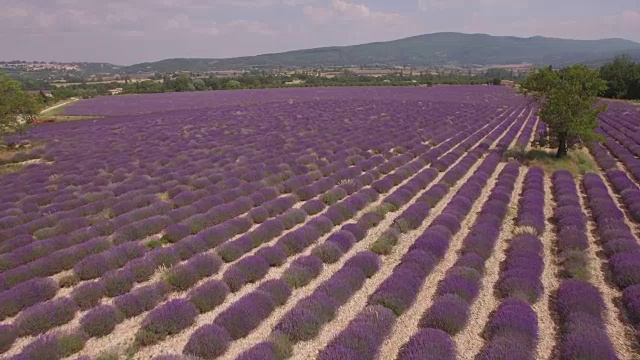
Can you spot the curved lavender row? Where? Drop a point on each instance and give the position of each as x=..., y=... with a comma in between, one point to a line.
x=579, y=305
x=101, y=260
x=297, y=328
x=450, y=310
x=617, y=143
x=513, y=327
x=408, y=292
x=299, y=323
x=619, y=244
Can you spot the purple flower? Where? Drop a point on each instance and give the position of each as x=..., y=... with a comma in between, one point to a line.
x=208, y=342
x=428, y=344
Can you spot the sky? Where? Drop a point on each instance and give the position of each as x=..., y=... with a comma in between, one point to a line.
x=125, y=32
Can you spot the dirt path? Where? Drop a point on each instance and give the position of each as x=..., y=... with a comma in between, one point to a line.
x=177, y=342
x=546, y=325
x=310, y=349
x=616, y=329
x=469, y=341
x=59, y=105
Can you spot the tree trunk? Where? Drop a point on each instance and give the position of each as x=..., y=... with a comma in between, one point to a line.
x=562, y=146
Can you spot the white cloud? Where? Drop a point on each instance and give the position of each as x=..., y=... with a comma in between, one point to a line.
x=427, y=5
x=341, y=10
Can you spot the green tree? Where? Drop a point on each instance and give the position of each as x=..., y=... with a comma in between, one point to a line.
x=623, y=78
x=233, y=84
x=567, y=101
x=17, y=108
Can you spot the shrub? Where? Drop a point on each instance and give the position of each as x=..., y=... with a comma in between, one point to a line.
x=302, y=271
x=370, y=220
x=258, y=215
x=625, y=269
x=292, y=218
x=333, y=196
x=277, y=289
x=366, y=261
x=448, y=313
x=176, y=232
x=313, y=206
x=117, y=282
x=8, y=334
x=524, y=284
x=386, y=241
x=586, y=344
x=322, y=224
x=328, y=252
x=514, y=317
x=578, y=296
x=344, y=239
x=44, y=316
x=428, y=344
x=398, y=291
x=575, y=265
x=413, y=217
x=362, y=337
x=182, y=277
x=273, y=255
x=71, y=342
x=205, y=264
x=631, y=299
x=231, y=251
x=208, y=342
x=253, y=267
x=299, y=324
x=246, y=314
x=26, y=294
x=142, y=269
x=168, y=319
x=142, y=299
x=464, y=288
x=100, y=321
x=509, y=347
x=88, y=295
x=209, y=295
x=342, y=284
x=261, y=351
x=356, y=230
x=44, y=347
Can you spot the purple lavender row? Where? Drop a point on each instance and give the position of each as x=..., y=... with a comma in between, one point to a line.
x=306, y=319
x=620, y=150
x=619, y=244
x=399, y=291
x=450, y=310
x=512, y=330
x=531, y=205
x=185, y=276
x=625, y=187
x=147, y=103
x=579, y=305
x=268, y=207
x=525, y=136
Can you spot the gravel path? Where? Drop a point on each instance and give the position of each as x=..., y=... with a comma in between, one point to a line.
x=546, y=324
x=469, y=341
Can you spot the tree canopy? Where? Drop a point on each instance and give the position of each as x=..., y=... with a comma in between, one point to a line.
x=567, y=100
x=623, y=78
x=17, y=108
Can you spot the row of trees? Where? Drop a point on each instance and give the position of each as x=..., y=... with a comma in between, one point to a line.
x=622, y=76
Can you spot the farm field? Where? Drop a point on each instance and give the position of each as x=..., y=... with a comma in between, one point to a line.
x=318, y=223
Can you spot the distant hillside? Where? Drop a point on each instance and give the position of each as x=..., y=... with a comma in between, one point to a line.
x=437, y=49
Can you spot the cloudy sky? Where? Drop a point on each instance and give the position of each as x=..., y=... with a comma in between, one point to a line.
x=130, y=31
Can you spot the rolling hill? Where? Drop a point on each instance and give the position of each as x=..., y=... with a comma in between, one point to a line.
x=438, y=49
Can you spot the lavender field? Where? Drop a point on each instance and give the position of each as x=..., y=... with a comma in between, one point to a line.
x=318, y=223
